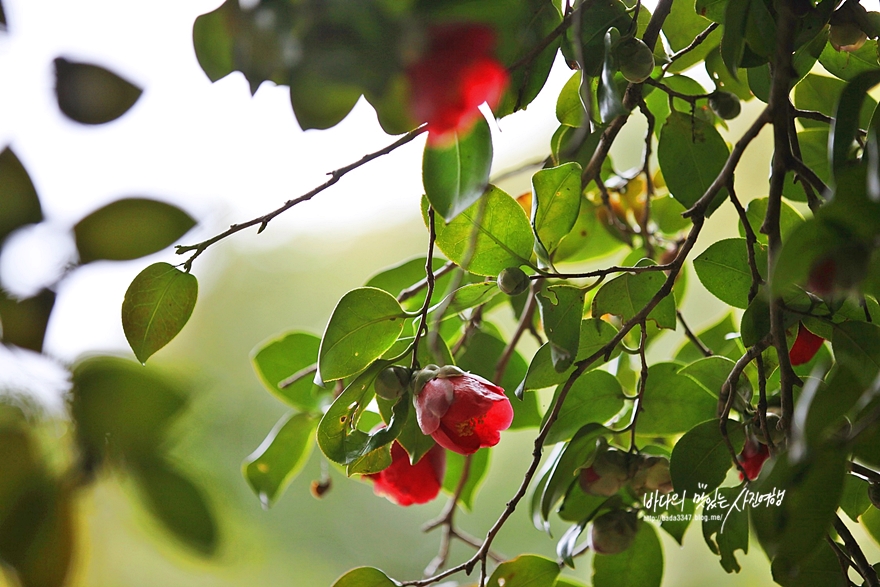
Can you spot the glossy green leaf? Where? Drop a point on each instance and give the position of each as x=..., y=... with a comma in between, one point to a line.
x=120, y=406
x=281, y=357
x=854, y=501
x=848, y=64
x=789, y=218
x=178, y=504
x=594, y=335
x=90, y=94
x=364, y=577
x=760, y=30
x=526, y=570
x=556, y=201
x=270, y=468
x=691, y=154
x=820, y=569
x=726, y=529
x=609, y=94
x=723, y=269
x=23, y=322
x=641, y=565
x=721, y=338
x=400, y=277
x=673, y=403
x=19, y=203
x=680, y=27
x=577, y=453
x=562, y=308
x=466, y=297
x=821, y=93
x=569, y=108
x=626, y=295
x=700, y=460
x=157, y=305
x=491, y=235
x=595, y=396
x=456, y=173
x=596, y=19
x=481, y=355
x=364, y=324
x=722, y=77
x=476, y=475
x=128, y=229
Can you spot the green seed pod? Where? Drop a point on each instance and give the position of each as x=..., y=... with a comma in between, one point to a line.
x=392, y=382
x=725, y=104
x=634, y=60
x=513, y=281
x=847, y=37
x=613, y=532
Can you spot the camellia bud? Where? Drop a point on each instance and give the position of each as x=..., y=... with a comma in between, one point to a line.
x=513, y=281
x=847, y=37
x=609, y=471
x=634, y=59
x=392, y=382
x=725, y=104
x=874, y=494
x=613, y=532
x=652, y=475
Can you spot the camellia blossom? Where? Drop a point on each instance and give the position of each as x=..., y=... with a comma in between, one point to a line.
x=805, y=346
x=406, y=484
x=463, y=412
x=752, y=458
x=455, y=74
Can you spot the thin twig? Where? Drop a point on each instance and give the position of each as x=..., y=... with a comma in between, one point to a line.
x=643, y=383
x=445, y=519
x=762, y=403
x=751, y=242
x=645, y=220
x=689, y=98
x=604, y=272
x=420, y=285
x=862, y=565
x=263, y=221
x=813, y=200
x=706, y=351
x=429, y=277
x=698, y=40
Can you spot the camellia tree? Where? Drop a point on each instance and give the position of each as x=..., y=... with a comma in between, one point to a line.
x=763, y=428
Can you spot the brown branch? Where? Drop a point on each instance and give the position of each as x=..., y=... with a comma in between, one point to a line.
x=762, y=403
x=604, y=272
x=420, y=285
x=706, y=351
x=645, y=220
x=689, y=98
x=263, y=221
x=813, y=200
x=445, y=519
x=643, y=383
x=698, y=40
x=429, y=277
x=751, y=241
x=862, y=565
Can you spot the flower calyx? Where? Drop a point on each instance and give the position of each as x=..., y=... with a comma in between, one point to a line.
x=392, y=382
x=614, y=532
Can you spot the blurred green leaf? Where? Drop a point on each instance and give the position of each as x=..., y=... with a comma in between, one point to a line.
x=157, y=305
x=871, y=521
x=814, y=154
x=857, y=348
x=724, y=270
x=641, y=565
x=820, y=569
x=736, y=16
x=588, y=238
x=562, y=309
x=596, y=19
x=626, y=295
x=320, y=103
x=556, y=201
x=673, y=403
x=498, y=228
x=700, y=460
x=364, y=577
x=90, y=94
x=691, y=154
x=730, y=532
x=285, y=355
x=364, y=324
x=854, y=501
x=848, y=64
x=19, y=203
x=609, y=94
x=526, y=570
x=23, y=322
x=128, y=229
x=270, y=468
x=177, y=504
x=476, y=475
x=594, y=396
x=456, y=174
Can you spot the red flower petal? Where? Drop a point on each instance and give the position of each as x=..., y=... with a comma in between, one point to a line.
x=432, y=403
x=406, y=484
x=805, y=346
x=752, y=458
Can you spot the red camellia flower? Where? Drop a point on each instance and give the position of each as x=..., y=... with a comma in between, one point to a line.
x=805, y=346
x=406, y=484
x=461, y=411
x=752, y=458
x=455, y=74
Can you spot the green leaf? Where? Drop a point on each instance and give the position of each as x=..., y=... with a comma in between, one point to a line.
x=562, y=309
x=821, y=93
x=406, y=274
x=626, y=295
x=700, y=460
x=90, y=94
x=848, y=64
x=157, y=305
x=318, y=102
x=213, y=42
x=727, y=530
x=666, y=212
x=820, y=569
x=19, y=203
x=568, y=582
x=476, y=475
x=871, y=521
x=270, y=468
x=556, y=201
x=120, y=406
x=710, y=373
x=847, y=117
x=526, y=570
x=641, y=565
x=595, y=396
x=364, y=577
x=691, y=154
x=789, y=218
x=723, y=269
x=23, y=322
x=501, y=233
x=278, y=358
x=365, y=323
x=129, y=229
x=466, y=297
x=588, y=238
x=673, y=403
x=609, y=94
x=596, y=19
x=721, y=338
x=177, y=503
x=594, y=334
x=680, y=27
x=733, y=42
x=569, y=108
x=857, y=348
x=854, y=501
x=578, y=453
x=456, y=173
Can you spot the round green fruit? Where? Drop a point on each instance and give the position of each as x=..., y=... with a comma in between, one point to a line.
x=392, y=382
x=725, y=104
x=513, y=281
x=634, y=60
